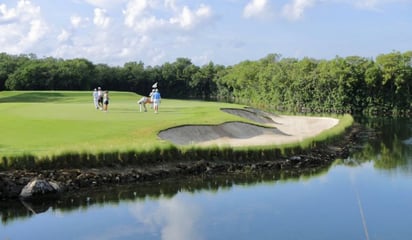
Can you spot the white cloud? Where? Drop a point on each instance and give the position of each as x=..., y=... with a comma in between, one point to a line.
x=154, y=31
x=257, y=9
x=63, y=36
x=141, y=15
x=7, y=15
x=38, y=29
x=138, y=33
x=174, y=218
x=295, y=10
x=100, y=19
x=23, y=26
x=76, y=21
x=188, y=19
x=134, y=10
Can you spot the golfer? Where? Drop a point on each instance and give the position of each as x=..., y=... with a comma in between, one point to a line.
x=105, y=100
x=96, y=98
x=100, y=97
x=156, y=100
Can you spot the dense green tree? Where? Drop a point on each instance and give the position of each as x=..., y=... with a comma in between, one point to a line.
x=34, y=75
x=350, y=84
x=133, y=76
x=176, y=78
x=202, y=83
x=9, y=64
x=396, y=75
x=184, y=70
x=242, y=78
x=106, y=77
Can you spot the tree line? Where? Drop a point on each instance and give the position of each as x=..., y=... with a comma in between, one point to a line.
x=352, y=84
x=180, y=79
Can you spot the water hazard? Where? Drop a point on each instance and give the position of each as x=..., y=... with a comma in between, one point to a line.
x=366, y=196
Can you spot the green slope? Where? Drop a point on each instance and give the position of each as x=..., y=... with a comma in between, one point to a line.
x=45, y=123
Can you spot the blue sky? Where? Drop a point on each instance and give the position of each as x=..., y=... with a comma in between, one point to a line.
x=222, y=31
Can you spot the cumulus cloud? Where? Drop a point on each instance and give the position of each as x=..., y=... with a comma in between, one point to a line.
x=134, y=10
x=187, y=19
x=295, y=10
x=23, y=25
x=38, y=28
x=141, y=15
x=7, y=15
x=117, y=31
x=100, y=19
x=257, y=9
x=76, y=21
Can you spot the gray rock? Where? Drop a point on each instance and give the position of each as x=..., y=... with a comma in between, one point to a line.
x=295, y=158
x=40, y=188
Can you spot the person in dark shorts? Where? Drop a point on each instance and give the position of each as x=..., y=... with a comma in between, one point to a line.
x=100, y=98
x=105, y=100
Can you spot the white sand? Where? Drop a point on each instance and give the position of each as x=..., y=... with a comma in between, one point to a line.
x=279, y=129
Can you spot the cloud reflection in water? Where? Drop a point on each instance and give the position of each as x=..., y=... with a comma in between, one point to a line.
x=175, y=219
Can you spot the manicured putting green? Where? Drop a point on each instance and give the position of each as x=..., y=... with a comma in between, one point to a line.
x=53, y=122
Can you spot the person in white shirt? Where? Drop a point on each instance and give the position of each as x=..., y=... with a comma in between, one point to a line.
x=96, y=98
x=100, y=97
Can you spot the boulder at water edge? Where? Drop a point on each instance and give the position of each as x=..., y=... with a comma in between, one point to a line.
x=40, y=188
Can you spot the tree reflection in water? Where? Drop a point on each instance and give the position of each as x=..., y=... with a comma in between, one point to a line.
x=390, y=150
x=11, y=210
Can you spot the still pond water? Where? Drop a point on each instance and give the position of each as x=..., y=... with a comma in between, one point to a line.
x=367, y=196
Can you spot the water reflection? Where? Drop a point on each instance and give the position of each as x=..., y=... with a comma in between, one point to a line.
x=174, y=219
x=378, y=189
x=392, y=148
x=11, y=210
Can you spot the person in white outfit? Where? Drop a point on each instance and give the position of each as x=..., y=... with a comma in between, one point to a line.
x=96, y=98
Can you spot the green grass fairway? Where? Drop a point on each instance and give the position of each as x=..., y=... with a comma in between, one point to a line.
x=45, y=123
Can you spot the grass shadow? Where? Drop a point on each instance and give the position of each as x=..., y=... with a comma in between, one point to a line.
x=30, y=97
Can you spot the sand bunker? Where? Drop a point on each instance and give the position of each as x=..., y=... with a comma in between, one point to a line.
x=276, y=130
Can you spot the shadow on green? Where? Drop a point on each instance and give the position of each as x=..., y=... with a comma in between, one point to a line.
x=33, y=97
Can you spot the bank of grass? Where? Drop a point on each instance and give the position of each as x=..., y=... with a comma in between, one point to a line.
x=61, y=129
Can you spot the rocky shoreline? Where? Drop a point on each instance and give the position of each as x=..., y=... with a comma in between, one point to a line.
x=74, y=180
